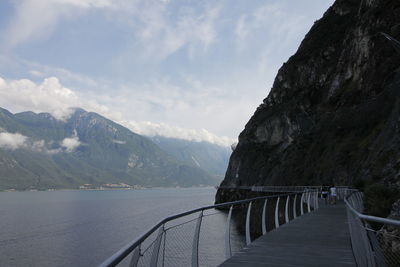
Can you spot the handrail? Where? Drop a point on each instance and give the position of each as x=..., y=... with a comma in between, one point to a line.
x=370, y=247
x=273, y=188
x=370, y=217
x=127, y=249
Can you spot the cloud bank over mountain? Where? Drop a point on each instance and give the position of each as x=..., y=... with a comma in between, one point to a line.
x=47, y=96
x=161, y=129
x=70, y=143
x=12, y=141
x=50, y=96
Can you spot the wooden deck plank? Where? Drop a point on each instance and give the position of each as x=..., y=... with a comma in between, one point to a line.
x=319, y=238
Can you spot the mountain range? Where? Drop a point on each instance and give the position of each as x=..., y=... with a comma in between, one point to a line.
x=38, y=151
x=210, y=157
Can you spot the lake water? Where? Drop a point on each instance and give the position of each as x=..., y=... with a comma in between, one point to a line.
x=82, y=228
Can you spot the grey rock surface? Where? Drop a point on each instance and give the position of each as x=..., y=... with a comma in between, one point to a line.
x=332, y=115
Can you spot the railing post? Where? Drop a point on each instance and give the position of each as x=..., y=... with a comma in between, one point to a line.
x=248, y=237
x=135, y=257
x=156, y=248
x=351, y=198
x=277, y=214
x=301, y=204
x=308, y=202
x=263, y=219
x=367, y=246
x=287, y=209
x=359, y=201
x=195, y=247
x=294, y=207
x=228, y=251
x=314, y=203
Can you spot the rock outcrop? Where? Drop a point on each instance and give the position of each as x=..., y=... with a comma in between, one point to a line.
x=333, y=113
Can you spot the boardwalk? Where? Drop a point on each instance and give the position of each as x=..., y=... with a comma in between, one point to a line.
x=320, y=238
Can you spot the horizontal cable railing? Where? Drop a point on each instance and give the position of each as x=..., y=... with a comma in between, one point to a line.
x=272, y=188
x=184, y=239
x=375, y=240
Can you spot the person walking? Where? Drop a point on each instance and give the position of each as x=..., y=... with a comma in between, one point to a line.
x=333, y=194
x=324, y=194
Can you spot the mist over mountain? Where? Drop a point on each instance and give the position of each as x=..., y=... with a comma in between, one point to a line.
x=210, y=157
x=38, y=151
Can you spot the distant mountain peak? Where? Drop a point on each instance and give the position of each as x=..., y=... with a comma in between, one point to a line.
x=87, y=148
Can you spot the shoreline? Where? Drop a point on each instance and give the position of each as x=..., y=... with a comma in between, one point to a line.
x=103, y=189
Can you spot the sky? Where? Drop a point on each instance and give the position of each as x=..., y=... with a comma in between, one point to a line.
x=190, y=69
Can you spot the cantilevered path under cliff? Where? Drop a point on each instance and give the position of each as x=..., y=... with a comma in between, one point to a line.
x=320, y=238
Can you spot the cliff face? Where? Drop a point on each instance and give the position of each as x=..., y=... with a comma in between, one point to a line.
x=333, y=113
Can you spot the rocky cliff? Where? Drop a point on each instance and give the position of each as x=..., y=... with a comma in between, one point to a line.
x=333, y=113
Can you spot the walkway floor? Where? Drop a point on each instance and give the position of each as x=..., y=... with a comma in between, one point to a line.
x=319, y=238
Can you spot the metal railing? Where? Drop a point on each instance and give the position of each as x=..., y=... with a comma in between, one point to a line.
x=375, y=240
x=183, y=239
x=286, y=189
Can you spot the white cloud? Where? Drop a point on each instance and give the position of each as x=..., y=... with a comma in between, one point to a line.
x=241, y=30
x=48, y=96
x=119, y=142
x=70, y=143
x=84, y=3
x=274, y=20
x=159, y=29
x=12, y=141
x=37, y=19
x=36, y=73
x=39, y=146
x=161, y=129
x=191, y=105
x=37, y=70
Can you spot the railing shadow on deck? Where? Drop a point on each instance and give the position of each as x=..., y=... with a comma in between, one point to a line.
x=207, y=236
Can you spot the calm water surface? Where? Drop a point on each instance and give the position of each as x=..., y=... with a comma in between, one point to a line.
x=82, y=228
